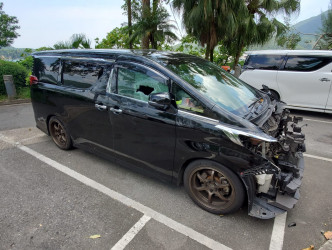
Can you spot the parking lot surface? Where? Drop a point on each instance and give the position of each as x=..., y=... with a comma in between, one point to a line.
x=57, y=199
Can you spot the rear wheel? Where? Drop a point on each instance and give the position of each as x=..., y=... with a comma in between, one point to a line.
x=59, y=134
x=213, y=187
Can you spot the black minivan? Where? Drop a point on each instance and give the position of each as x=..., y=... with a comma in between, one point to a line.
x=177, y=117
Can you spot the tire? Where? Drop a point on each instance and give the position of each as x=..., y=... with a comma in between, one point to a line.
x=213, y=187
x=59, y=134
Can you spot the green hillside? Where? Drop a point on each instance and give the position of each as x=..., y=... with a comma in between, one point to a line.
x=10, y=53
x=307, y=28
x=310, y=25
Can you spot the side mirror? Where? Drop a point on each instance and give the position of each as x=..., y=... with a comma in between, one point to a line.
x=160, y=100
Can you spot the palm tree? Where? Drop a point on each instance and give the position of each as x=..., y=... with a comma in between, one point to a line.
x=153, y=25
x=80, y=41
x=129, y=23
x=209, y=21
x=143, y=25
x=76, y=41
x=256, y=24
x=325, y=39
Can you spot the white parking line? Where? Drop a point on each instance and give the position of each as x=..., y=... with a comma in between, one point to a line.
x=318, y=157
x=187, y=231
x=124, y=241
x=278, y=231
x=313, y=120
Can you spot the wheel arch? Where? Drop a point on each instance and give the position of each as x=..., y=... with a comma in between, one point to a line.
x=47, y=123
x=274, y=92
x=186, y=163
x=248, y=182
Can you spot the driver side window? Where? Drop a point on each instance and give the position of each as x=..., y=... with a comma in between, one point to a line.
x=138, y=82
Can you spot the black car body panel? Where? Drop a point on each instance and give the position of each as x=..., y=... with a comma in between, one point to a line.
x=264, y=148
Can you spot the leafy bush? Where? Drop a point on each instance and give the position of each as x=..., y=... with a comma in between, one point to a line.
x=18, y=72
x=27, y=62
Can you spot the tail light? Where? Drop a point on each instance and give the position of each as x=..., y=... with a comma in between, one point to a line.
x=33, y=80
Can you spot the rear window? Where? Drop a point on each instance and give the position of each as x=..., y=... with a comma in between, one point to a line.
x=46, y=69
x=266, y=62
x=81, y=74
x=306, y=63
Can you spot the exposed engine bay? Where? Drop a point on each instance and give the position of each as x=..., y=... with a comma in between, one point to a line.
x=279, y=178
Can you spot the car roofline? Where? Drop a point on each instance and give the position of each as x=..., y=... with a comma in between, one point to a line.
x=290, y=52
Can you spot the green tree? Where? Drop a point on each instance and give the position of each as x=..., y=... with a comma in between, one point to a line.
x=289, y=39
x=152, y=25
x=143, y=26
x=131, y=9
x=209, y=21
x=222, y=55
x=8, y=27
x=27, y=60
x=325, y=39
x=118, y=38
x=129, y=23
x=256, y=23
x=76, y=41
x=190, y=45
x=44, y=48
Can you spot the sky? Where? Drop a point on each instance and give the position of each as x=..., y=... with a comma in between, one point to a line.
x=46, y=22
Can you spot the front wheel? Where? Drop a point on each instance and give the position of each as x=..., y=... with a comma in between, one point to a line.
x=59, y=134
x=213, y=187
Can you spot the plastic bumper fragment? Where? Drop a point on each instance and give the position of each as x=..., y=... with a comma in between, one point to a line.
x=265, y=208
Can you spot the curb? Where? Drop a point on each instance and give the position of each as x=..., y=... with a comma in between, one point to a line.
x=327, y=245
x=15, y=101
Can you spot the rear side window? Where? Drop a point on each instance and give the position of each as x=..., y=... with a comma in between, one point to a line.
x=81, y=74
x=46, y=69
x=306, y=63
x=267, y=62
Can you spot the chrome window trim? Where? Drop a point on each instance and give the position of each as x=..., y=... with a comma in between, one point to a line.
x=124, y=96
x=198, y=116
x=79, y=58
x=46, y=56
x=87, y=59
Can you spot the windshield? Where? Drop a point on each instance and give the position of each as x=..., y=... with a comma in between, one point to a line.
x=224, y=89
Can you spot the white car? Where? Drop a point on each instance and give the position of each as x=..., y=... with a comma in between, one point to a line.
x=300, y=78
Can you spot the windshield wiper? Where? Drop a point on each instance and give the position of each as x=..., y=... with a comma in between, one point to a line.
x=260, y=100
x=253, y=106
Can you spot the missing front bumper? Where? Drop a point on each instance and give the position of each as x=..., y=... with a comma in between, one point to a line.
x=285, y=199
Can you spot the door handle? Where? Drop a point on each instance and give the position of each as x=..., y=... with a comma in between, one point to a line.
x=324, y=79
x=116, y=111
x=100, y=107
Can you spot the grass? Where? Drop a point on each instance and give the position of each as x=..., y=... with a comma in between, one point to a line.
x=22, y=93
x=3, y=98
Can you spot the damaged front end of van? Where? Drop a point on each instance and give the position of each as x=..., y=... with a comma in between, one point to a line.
x=273, y=184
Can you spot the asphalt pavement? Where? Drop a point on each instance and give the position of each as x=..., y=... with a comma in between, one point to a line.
x=54, y=199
